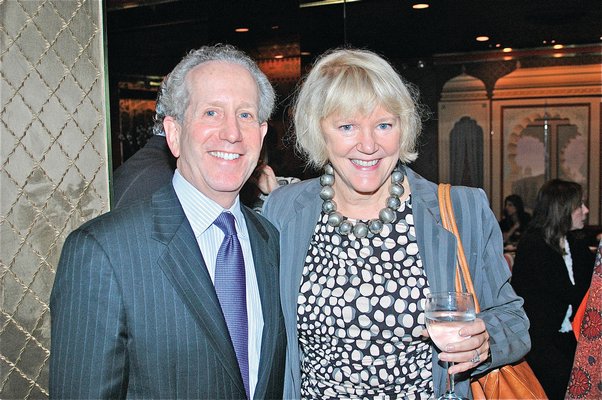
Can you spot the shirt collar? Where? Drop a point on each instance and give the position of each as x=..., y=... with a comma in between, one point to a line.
x=201, y=211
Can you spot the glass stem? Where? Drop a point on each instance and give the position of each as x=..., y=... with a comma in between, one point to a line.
x=452, y=383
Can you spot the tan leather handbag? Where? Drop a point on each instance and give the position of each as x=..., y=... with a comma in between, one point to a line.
x=513, y=381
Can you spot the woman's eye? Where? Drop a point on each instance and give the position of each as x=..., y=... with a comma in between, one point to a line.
x=385, y=125
x=346, y=127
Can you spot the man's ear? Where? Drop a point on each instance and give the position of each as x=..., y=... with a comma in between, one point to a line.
x=173, y=130
x=264, y=129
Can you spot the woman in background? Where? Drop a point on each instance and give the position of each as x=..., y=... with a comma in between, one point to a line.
x=363, y=245
x=552, y=271
x=515, y=219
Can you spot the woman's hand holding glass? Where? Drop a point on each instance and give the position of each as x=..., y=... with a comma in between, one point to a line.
x=462, y=353
x=452, y=325
x=470, y=352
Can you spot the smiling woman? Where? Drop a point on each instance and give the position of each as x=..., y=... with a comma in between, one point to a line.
x=363, y=246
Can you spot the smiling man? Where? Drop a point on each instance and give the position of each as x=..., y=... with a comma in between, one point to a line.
x=177, y=296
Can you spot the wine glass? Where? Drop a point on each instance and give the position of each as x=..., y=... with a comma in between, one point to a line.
x=446, y=313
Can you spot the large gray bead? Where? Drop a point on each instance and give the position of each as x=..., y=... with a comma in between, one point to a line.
x=327, y=193
x=375, y=226
x=393, y=202
x=397, y=177
x=387, y=215
x=396, y=190
x=329, y=206
x=345, y=228
x=335, y=219
x=360, y=230
x=328, y=169
x=326, y=180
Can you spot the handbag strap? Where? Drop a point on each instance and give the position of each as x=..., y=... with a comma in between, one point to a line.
x=448, y=220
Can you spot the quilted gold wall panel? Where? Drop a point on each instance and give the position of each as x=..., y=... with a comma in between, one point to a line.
x=53, y=172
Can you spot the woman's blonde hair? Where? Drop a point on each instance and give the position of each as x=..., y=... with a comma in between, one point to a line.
x=350, y=81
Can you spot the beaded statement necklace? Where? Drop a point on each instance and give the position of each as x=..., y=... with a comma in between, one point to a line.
x=342, y=225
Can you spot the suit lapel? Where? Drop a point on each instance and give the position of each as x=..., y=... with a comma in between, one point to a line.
x=265, y=258
x=301, y=225
x=183, y=264
x=436, y=245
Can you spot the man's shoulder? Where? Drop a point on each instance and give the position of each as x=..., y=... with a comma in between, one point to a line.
x=259, y=220
x=119, y=219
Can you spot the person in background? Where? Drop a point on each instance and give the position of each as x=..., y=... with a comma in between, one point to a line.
x=515, y=219
x=363, y=245
x=148, y=170
x=552, y=271
x=586, y=375
x=264, y=180
x=177, y=296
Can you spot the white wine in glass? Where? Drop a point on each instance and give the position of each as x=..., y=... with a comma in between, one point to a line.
x=446, y=313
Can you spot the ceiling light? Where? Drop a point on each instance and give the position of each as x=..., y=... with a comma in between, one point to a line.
x=325, y=3
x=507, y=49
x=279, y=56
x=557, y=46
x=305, y=53
x=241, y=30
x=482, y=38
x=420, y=6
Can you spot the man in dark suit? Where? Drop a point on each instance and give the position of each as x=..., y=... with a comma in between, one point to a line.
x=145, y=172
x=148, y=170
x=177, y=296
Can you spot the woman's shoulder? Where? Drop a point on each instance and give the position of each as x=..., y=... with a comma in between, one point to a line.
x=294, y=189
x=532, y=242
x=470, y=198
x=284, y=197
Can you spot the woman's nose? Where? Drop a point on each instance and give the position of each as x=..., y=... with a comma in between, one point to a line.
x=366, y=143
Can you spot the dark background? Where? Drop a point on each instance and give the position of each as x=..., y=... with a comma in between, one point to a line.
x=146, y=38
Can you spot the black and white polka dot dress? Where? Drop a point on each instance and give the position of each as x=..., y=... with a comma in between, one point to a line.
x=360, y=315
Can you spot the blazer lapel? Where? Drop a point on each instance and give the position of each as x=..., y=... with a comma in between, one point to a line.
x=183, y=264
x=265, y=258
x=436, y=245
x=301, y=225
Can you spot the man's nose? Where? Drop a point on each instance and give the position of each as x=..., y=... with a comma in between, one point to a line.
x=231, y=129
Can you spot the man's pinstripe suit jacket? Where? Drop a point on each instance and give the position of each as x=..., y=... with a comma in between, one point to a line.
x=135, y=313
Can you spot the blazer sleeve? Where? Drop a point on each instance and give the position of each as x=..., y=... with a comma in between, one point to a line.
x=88, y=356
x=501, y=308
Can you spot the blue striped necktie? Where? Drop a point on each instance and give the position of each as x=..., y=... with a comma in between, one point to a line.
x=230, y=286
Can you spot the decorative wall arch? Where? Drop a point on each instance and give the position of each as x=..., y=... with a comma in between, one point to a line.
x=466, y=153
x=525, y=168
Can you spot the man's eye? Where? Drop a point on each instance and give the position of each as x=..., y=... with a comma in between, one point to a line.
x=211, y=113
x=246, y=115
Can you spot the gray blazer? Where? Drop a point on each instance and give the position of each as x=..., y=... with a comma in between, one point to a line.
x=135, y=313
x=295, y=210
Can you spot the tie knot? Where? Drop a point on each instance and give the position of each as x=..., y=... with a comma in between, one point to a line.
x=225, y=222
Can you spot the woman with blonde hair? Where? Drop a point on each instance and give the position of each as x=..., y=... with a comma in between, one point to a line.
x=363, y=245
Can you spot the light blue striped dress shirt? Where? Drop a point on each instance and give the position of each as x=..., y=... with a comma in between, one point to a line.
x=201, y=212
